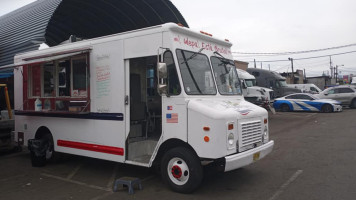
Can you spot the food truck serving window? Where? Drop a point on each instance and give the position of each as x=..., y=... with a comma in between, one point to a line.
x=58, y=84
x=196, y=73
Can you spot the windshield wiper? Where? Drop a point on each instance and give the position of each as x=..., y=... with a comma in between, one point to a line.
x=224, y=62
x=190, y=71
x=192, y=56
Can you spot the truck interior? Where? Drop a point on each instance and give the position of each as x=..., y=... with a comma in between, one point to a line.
x=145, y=110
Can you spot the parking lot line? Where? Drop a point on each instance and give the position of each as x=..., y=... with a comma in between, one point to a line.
x=70, y=176
x=77, y=182
x=285, y=185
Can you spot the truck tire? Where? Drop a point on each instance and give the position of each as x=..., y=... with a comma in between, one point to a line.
x=181, y=170
x=50, y=154
x=327, y=108
x=285, y=108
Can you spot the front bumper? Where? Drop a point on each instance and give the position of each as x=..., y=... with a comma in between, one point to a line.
x=337, y=108
x=245, y=158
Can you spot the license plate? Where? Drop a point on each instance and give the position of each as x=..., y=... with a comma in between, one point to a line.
x=256, y=156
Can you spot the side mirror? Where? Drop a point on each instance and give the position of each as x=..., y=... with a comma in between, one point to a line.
x=243, y=84
x=162, y=78
x=162, y=70
x=326, y=94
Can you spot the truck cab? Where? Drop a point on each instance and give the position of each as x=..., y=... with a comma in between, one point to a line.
x=252, y=92
x=272, y=80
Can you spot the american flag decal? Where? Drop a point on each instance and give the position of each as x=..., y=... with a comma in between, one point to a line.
x=169, y=107
x=172, y=118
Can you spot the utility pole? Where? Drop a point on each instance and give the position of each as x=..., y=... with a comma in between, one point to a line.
x=261, y=65
x=291, y=60
x=331, y=68
x=254, y=61
x=305, y=77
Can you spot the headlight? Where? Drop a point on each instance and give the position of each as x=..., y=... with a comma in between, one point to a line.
x=230, y=139
x=265, y=135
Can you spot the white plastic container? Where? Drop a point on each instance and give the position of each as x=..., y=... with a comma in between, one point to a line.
x=38, y=105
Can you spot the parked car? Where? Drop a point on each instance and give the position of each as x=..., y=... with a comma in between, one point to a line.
x=346, y=94
x=306, y=102
x=306, y=88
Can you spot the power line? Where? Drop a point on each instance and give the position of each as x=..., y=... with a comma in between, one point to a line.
x=293, y=52
x=336, y=54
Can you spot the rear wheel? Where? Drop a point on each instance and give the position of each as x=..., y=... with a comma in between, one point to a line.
x=181, y=170
x=49, y=155
x=353, y=103
x=285, y=108
x=327, y=108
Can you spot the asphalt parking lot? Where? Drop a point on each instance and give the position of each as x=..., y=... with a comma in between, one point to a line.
x=314, y=158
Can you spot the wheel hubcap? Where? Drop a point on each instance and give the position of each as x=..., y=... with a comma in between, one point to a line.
x=178, y=171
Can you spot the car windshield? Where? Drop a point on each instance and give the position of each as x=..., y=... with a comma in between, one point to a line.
x=250, y=82
x=196, y=73
x=281, y=83
x=226, y=76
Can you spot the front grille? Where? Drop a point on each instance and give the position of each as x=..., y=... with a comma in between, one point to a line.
x=251, y=135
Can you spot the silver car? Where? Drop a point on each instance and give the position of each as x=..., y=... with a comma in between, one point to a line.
x=345, y=94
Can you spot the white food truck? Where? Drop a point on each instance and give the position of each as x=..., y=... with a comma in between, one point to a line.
x=162, y=96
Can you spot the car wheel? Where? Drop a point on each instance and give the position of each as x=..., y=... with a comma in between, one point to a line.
x=181, y=170
x=285, y=108
x=353, y=103
x=327, y=108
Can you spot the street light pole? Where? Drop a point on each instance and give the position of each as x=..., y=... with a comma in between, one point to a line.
x=291, y=60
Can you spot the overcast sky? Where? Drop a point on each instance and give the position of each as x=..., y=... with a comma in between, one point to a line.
x=270, y=26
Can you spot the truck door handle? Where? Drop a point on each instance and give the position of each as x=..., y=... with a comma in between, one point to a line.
x=127, y=100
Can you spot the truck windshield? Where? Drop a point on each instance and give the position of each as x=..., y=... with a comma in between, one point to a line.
x=196, y=73
x=226, y=76
x=250, y=82
x=281, y=83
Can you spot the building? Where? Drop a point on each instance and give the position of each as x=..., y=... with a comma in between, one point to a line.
x=298, y=77
x=53, y=22
x=321, y=81
x=241, y=65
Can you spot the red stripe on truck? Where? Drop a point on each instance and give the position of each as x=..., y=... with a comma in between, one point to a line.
x=91, y=147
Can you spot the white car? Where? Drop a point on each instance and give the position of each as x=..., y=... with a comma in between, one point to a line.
x=346, y=94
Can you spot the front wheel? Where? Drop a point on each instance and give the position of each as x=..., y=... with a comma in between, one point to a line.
x=181, y=170
x=285, y=108
x=327, y=108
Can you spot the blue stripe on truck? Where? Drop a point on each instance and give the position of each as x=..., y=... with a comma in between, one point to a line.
x=91, y=115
